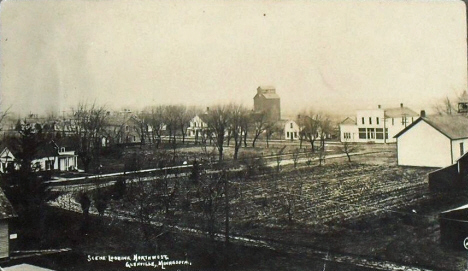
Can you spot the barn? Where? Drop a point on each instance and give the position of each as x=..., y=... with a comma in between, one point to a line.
x=433, y=141
x=6, y=214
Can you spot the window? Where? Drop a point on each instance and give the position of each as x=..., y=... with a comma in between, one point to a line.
x=287, y=134
x=362, y=133
x=291, y=125
x=386, y=133
x=370, y=120
x=362, y=120
x=404, y=121
x=370, y=133
x=393, y=121
x=462, y=151
x=377, y=120
x=347, y=135
x=379, y=133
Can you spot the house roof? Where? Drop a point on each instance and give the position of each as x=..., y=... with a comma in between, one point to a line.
x=6, y=209
x=399, y=112
x=348, y=120
x=452, y=126
x=46, y=150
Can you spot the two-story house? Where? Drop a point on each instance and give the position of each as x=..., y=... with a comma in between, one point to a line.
x=377, y=125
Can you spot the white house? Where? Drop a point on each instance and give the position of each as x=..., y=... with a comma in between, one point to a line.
x=48, y=157
x=291, y=130
x=376, y=125
x=7, y=159
x=196, y=126
x=433, y=141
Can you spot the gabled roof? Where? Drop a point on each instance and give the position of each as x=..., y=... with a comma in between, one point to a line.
x=348, y=121
x=399, y=112
x=452, y=126
x=6, y=209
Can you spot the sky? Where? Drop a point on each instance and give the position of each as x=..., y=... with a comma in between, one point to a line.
x=336, y=56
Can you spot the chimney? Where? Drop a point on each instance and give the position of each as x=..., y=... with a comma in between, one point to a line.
x=401, y=105
x=207, y=109
x=423, y=114
x=379, y=106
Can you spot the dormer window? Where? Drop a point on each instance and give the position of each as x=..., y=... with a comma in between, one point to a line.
x=62, y=149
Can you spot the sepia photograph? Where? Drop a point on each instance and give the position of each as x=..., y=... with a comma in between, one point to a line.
x=206, y=135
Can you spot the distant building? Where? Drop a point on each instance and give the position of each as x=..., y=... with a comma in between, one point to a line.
x=6, y=214
x=196, y=127
x=463, y=103
x=49, y=156
x=376, y=125
x=291, y=130
x=433, y=141
x=268, y=101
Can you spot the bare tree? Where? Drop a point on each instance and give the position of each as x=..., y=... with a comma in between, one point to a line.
x=141, y=127
x=171, y=121
x=211, y=191
x=218, y=119
x=87, y=127
x=445, y=107
x=325, y=130
x=295, y=157
x=348, y=148
x=237, y=125
x=184, y=115
x=271, y=128
x=260, y=122
x=311, y=128
x=4, y=114
x=154, y=117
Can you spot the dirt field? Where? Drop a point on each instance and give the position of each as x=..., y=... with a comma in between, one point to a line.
x=370, y=208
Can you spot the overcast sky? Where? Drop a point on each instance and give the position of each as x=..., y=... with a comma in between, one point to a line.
x=332, y=55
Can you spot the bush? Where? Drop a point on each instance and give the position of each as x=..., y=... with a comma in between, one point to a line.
x=119, y=189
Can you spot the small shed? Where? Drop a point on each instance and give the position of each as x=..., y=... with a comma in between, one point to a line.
x=6, y=214
x=454, y=228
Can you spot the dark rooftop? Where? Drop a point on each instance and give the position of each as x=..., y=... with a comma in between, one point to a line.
x=6, y=209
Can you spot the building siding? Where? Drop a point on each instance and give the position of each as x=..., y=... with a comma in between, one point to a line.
x=456, y=148
x=4, y=246
x=424, y=146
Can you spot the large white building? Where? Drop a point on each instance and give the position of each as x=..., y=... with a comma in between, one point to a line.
x=376, y=125
x=433, y=141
